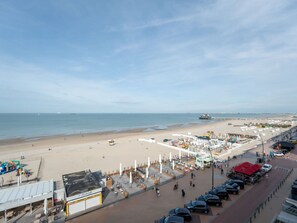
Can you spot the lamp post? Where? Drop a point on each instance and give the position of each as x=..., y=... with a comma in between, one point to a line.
x=212, y=169
x=263, y=150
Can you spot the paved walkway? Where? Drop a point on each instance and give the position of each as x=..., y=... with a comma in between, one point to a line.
x=274, y=207
x=246, y=205
x=147, y=207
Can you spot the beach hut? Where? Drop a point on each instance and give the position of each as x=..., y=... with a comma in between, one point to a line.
x=83, y=190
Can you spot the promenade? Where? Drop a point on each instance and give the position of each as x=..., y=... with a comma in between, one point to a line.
x=147, y=207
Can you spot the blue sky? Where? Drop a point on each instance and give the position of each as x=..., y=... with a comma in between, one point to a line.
x=148, y=56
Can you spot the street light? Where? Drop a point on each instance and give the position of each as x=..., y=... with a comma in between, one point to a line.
x=212, y=170
x=263, y=150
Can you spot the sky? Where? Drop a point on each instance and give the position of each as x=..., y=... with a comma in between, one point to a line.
x=151, y=56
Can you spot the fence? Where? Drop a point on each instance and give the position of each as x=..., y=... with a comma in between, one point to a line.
x=261, y=206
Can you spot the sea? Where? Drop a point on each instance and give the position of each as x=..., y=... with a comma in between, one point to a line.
x=32, y=126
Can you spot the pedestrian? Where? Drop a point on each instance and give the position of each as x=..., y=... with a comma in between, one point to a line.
x=183, y=193
x=191, y=183
x=157, y=192
x=222, y=171
x=192, y=175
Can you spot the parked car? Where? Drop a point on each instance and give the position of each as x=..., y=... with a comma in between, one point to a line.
x=266, y=167
x=230, y=188
x=278, y=154
x=197, y=206
x=170, y=219
x=234, y=185
x=210, y=199
x=220, y=192
x=284, y=151
x=240, y=183
x=181, y=212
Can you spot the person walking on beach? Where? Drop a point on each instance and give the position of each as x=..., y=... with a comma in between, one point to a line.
x=183, y=193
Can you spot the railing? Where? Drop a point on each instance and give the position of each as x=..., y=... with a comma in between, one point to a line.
x=261, y=206
x=290, y=209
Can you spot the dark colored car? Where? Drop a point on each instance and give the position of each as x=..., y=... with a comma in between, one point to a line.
x=197, y=206
x=171, y=219
x=230, y=188
x=240, y=183
x=210, y=199
x=181, y=212
x=220, y=192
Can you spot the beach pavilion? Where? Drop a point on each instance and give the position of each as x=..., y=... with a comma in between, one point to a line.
x=83, y=190
x=28, y=194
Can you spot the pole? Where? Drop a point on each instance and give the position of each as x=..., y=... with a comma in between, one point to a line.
x=170, y=157
x=160, y=158
x=120, y=169
x=263, y=150
x=148, y=162
x=146, y=172
x=45, y=206
x=212, y=169
x=160, y=167
x=173, y=164
x=135, y=164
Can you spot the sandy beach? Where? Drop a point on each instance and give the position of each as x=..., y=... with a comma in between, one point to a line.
x=66, y=154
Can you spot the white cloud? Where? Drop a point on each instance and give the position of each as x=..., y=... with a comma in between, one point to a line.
x=189, y=56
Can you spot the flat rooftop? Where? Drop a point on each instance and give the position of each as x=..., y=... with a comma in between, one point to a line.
x=25, y=194
x=81, y=182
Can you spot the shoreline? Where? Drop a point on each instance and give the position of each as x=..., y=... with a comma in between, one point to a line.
x=92, y=151
x=27, y=135
x=143, y=130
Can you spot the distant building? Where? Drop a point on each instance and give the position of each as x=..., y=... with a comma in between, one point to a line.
x=83, y=190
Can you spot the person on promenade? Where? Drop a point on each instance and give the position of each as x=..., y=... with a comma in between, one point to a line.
x=175, y=187
x=183, y=193
x=157, y=192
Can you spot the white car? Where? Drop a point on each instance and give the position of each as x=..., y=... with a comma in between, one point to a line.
x=266, y=167
x=278, y=154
